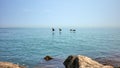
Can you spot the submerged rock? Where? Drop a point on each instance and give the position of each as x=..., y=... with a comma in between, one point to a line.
x=47, y=58
x=70, y=29
x=82, y=62
x=54, y=63
x=9, y=65
x=114, y=61
x=74, y=30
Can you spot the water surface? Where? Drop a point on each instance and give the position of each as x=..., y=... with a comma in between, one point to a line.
x=29, y=45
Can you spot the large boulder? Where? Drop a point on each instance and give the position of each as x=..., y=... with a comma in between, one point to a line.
x=82, y=62
x=9, y=65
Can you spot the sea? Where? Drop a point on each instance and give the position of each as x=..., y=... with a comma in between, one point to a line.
x=28, y=46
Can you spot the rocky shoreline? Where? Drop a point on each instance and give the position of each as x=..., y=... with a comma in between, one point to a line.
x=78, y=61
x=10, y=65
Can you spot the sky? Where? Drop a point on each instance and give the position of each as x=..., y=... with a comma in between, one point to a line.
x=59, y=13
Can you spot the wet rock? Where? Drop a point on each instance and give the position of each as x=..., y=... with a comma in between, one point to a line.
x=47, y=58
x=10, y=65
x=74, y=30
x=82, y=62
x=54, y=63
x=60, y=29
x=114, y=61
x=70, y=29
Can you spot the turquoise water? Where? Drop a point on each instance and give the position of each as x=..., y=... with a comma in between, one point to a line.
x=27, y=46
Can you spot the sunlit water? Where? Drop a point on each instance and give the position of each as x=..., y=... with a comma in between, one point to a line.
x=29, y=46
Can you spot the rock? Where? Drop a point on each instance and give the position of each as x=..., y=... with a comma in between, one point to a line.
x=9, y=65
x=54, y=63
x=47, y=58
x=114, y=61
x=74, y=30
x=70, y=29
x=82, y=62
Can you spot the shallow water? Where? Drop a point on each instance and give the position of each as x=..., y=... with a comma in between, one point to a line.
x=27, y=46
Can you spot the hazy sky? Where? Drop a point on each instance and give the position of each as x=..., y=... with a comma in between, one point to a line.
x=59, y=13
